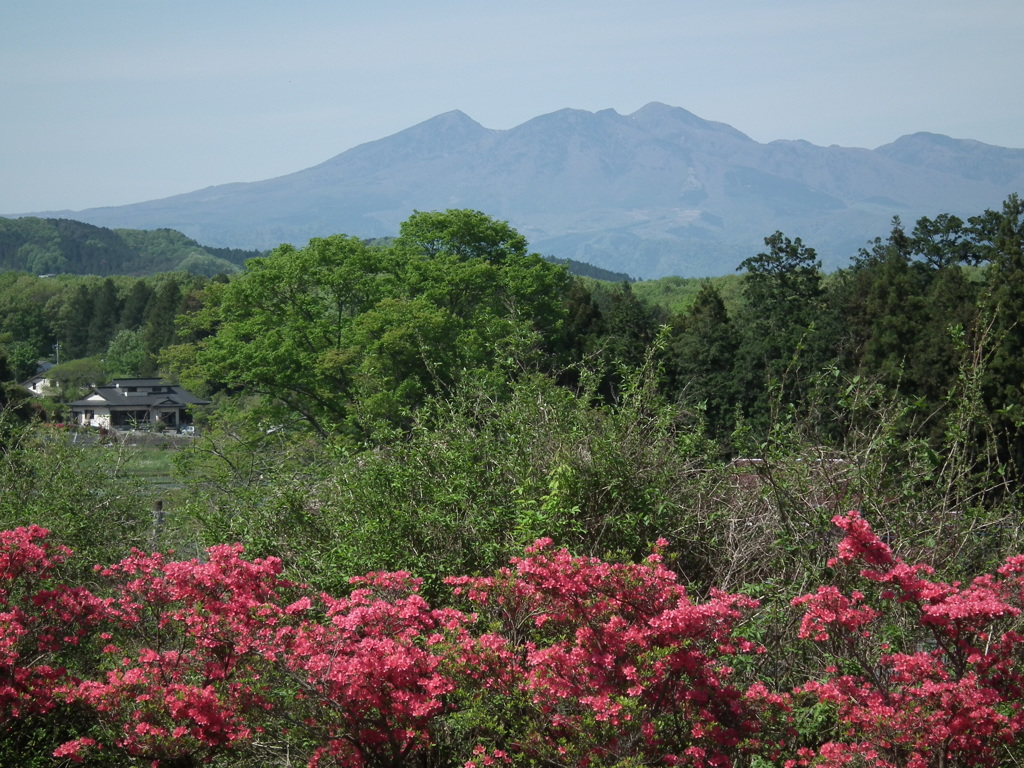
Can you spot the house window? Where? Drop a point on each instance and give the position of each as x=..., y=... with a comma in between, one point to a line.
x=89, y=415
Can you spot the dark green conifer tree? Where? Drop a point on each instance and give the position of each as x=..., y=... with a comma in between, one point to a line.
x=74, y=321
x=1001, y=240
x=630, y=326
x=783, y=300
x=579, y=339
x=701, y=357
x=133, y=313
x=950, y=315
x=106, y=311
x=158, y=331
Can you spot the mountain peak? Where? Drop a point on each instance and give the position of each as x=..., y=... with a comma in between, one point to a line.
x=439, y=135
x=658, y=109
x=452, y=117
x=664, y=119
x=455, y=123
x=567, y=115
x=965, y=157
x=922, y=138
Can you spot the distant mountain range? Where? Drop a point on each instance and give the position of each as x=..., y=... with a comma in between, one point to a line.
x=658, y=192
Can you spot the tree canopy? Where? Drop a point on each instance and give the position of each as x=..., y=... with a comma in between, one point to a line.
x=344, y=333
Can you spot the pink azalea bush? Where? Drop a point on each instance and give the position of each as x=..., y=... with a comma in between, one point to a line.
x=950, y=695
x=40, y=619
x=372, y=671
x=617, y=661
x=555, y=660
x=188, y=650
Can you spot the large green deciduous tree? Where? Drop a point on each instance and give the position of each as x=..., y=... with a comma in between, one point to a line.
x=127, y=356
x=462, y=234
x=346, y=334
x=279, y=329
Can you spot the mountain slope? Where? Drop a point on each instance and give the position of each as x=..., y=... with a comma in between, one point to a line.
x=44, y=246
x=657, y=192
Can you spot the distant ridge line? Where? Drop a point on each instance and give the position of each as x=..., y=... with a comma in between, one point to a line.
x=657, y=192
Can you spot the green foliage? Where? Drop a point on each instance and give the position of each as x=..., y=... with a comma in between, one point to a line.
x=22, y=359
x=104, y=315
x=279, y=329
x=80, y=492
x=1003, y=308
x=137, y=299
x=23, y=323
x=583, y=328
x=701, y=358
x=76, y=377
x=64, y=317
x=14, y=405
x=472, y=481
x=677, y=294
x=127, y=356
x=779, y=345
x=629, y=325
x=351, y=336
x=452, y=442
x=461, y=234
x=158, y=328
x=50, y=246
x=72, y=324
x=166, y=250
x=943, y=242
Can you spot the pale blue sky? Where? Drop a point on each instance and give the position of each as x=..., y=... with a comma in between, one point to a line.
x=118, y=101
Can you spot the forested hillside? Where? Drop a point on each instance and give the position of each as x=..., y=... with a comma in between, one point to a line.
x=91, y=324
x=492, y=513
x=63, y=246
x=582, y=269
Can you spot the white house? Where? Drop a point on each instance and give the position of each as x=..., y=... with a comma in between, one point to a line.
x=42, y=384
x=135, y=402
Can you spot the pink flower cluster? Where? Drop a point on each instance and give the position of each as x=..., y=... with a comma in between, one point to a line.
x=617, y=659
x=38, y=620
x=953, y=696
x=556, y=660
x=373, y=670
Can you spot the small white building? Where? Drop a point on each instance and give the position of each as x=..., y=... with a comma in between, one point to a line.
x=42, y=384
x=131, y=403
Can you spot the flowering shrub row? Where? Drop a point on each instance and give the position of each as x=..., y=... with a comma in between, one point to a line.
x=554, y=660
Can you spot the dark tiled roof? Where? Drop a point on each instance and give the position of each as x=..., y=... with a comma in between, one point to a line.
x=138, y=383
x=117, y=396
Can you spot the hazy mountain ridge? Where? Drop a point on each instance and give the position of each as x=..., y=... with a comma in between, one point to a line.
x=661, y=191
